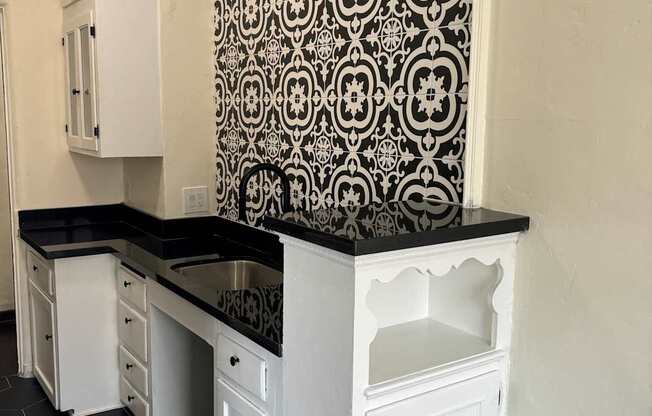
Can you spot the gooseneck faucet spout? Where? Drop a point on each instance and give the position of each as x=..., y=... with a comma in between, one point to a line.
x=242, y=194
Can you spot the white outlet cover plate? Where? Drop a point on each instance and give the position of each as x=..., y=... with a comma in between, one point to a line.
x=195, y=199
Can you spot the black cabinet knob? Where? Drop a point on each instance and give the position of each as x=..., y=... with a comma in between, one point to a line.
x=234, y=360
x=130, y=398
x=129, y=366
x=127, y=320
x=48, y=337
x=35, y=268
x=75, y=91
x=126, y=284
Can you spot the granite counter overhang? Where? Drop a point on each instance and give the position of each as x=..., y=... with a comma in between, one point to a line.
x=390, y=226
x=152, y=258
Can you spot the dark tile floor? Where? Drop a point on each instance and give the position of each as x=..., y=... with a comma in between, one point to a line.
x=23, y=396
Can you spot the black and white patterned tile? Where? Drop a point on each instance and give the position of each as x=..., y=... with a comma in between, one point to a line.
x=358, y=101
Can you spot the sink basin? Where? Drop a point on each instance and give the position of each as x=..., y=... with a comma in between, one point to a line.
x=230, y=274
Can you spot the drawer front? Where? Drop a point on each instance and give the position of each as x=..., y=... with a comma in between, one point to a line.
x=229, y=403
x=40, y=273
x=477, y=396
x=242, y=366
x=132, y=289
x=132, y=370
x=132, y=329
x=130, y=398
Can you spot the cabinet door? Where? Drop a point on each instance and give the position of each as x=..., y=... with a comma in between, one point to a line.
x=44, y=342
x=229, y=403
x=81, y=92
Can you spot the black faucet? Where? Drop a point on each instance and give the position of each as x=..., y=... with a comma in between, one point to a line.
x=242, y=195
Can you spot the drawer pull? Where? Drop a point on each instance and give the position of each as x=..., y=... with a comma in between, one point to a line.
x=130, y=398
x=35, y=268
x=127, y=321
x=126, y=284
x=48, y=337
x=129, y=366
x=234, y=360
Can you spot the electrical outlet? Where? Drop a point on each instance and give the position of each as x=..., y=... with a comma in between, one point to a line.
x=195, y=199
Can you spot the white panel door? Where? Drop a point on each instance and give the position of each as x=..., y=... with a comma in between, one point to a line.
x=81, y=91
x=229, y=403
x=44, y=342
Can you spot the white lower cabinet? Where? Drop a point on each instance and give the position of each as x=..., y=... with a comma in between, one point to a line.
x=72, y=306
x=44, y=342
x=229, y=403
x=475, y=397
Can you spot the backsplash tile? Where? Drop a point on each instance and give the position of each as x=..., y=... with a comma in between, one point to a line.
x=357, y=101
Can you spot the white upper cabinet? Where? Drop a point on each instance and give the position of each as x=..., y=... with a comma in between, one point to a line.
x=112, y=58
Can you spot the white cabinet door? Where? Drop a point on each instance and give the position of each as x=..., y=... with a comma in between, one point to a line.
x=81, y=97
x=44, y=342
x=229, y=403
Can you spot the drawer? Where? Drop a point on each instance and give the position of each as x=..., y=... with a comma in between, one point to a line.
x=242, y=366
x=40, y=273
x=132, y=330
x=476, y=396
x=134, y=401
x=132, y=289
x=132, y=370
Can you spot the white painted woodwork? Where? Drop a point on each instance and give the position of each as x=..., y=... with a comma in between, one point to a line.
x=475, y=397
x=132, y=289
x=415, y=346
x=272, y=404
x=40, y=272
x=182, y=368
x=123, y=97
x=87, y=335
x=44, y=343
x=132, y=329
x=397, y=330
x=229, y=403
x=248, y=371
x=133, y=371
x=132, y=399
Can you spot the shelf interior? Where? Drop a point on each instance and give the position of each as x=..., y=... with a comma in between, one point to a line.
x=419, y=345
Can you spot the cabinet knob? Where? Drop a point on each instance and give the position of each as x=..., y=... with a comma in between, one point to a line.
x=126, y=284
x=130, y=398
x=48, y=337
x=75, y=91
x=35, y=268
x=129, y=366
x=127, y=320
x=234, y=360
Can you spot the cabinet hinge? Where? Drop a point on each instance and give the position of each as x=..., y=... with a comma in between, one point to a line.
x=93, y=31
x=96, y=131
x=63, y=41
x=500, y=397
x=66, y=128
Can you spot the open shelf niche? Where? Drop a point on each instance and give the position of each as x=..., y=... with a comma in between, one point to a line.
x=426, y=321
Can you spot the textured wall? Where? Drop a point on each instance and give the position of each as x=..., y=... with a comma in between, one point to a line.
x=357, y=101
x=569, y=143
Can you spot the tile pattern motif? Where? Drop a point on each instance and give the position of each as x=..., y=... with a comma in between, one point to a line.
x=359, y=101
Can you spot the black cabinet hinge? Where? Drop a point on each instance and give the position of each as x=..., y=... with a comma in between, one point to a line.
x=93, y=31
x=500, y=397
x=96, y=131
x=66, y=128
x=63, y=41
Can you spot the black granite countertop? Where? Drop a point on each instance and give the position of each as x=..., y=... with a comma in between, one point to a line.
x=377, y=228
x=255, y=313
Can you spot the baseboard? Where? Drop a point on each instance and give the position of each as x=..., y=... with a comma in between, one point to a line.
x=8, y=314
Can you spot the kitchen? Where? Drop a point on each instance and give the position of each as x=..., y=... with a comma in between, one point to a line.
x=288, y=208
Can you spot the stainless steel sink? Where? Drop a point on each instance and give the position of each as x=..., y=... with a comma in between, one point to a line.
x=230, y=274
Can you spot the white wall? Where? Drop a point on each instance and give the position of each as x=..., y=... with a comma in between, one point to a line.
x=569, y=143
x=188, y=114
x=47, y=174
